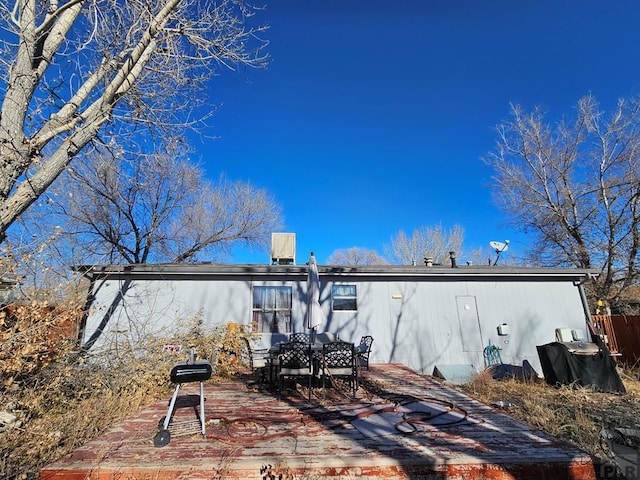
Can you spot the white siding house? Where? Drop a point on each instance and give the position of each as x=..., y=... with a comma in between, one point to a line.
x=419, y=316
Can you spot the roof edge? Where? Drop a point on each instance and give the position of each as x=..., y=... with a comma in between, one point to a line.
x=214, y=269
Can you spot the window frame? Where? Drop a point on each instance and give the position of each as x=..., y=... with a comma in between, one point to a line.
x=344, y=298
x=280, y=313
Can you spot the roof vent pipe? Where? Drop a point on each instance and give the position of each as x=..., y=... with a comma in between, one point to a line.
x=452, y=256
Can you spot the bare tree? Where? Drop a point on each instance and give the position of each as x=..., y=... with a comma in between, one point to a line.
x=356, y=256
x=159, y=208
x=73, y=69
x=425, y=242
x=576, y=187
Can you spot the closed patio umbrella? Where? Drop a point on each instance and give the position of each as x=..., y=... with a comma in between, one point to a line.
x=314, y=311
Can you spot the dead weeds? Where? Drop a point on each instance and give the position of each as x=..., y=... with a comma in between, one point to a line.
x=49, y=410
x=575, y=415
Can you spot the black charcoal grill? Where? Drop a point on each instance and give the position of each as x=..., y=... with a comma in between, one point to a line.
x=184, y=372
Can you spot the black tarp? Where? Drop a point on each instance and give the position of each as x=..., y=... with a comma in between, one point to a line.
x=518, y=372
x=562, y=367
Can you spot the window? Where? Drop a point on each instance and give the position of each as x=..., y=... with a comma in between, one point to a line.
x=344, y=297
x=271, y=309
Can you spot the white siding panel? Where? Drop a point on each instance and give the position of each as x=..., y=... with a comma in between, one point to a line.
x=160, y=307
x=415, y=322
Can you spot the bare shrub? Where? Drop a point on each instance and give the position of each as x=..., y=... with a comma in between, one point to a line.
x=72, y=396
x=31, y=335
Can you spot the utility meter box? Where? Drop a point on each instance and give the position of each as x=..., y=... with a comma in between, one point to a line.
x=504, y=330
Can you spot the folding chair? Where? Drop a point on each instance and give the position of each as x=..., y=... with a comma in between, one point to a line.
x=260, y=359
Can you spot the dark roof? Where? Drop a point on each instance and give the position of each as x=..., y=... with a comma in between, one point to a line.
x=381, y=271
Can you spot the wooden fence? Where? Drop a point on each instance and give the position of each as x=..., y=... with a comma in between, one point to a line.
x=622, y=335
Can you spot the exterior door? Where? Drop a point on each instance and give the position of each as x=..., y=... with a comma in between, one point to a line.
x=470, y=331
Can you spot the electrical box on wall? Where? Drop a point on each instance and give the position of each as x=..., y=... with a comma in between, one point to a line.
x=504, y=329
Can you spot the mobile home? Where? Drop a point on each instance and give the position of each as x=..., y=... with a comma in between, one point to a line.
x=421, y=316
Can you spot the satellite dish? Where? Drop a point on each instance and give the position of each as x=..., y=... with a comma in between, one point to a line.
x=499, y=247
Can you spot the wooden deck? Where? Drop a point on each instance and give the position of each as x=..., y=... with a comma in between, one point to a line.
x=409, y=427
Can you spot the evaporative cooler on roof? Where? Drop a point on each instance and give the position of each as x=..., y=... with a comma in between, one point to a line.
x=283, y=248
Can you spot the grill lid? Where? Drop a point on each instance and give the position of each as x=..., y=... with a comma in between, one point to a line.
x=185, y=372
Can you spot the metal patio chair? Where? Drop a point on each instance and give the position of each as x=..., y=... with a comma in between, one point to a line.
x=364, y=350
x=295, y=361
x=300, y=337
x=339, y=361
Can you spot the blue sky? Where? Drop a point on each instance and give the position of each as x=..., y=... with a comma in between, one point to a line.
x=373, y=116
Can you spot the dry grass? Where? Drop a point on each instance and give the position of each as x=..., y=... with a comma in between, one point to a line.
x=576, y=415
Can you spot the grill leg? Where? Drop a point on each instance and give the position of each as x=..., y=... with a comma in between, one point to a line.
x=202, y=420
x=172, y=405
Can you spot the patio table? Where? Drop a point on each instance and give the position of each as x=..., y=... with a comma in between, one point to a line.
x=316, y=352
x=275, y=348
